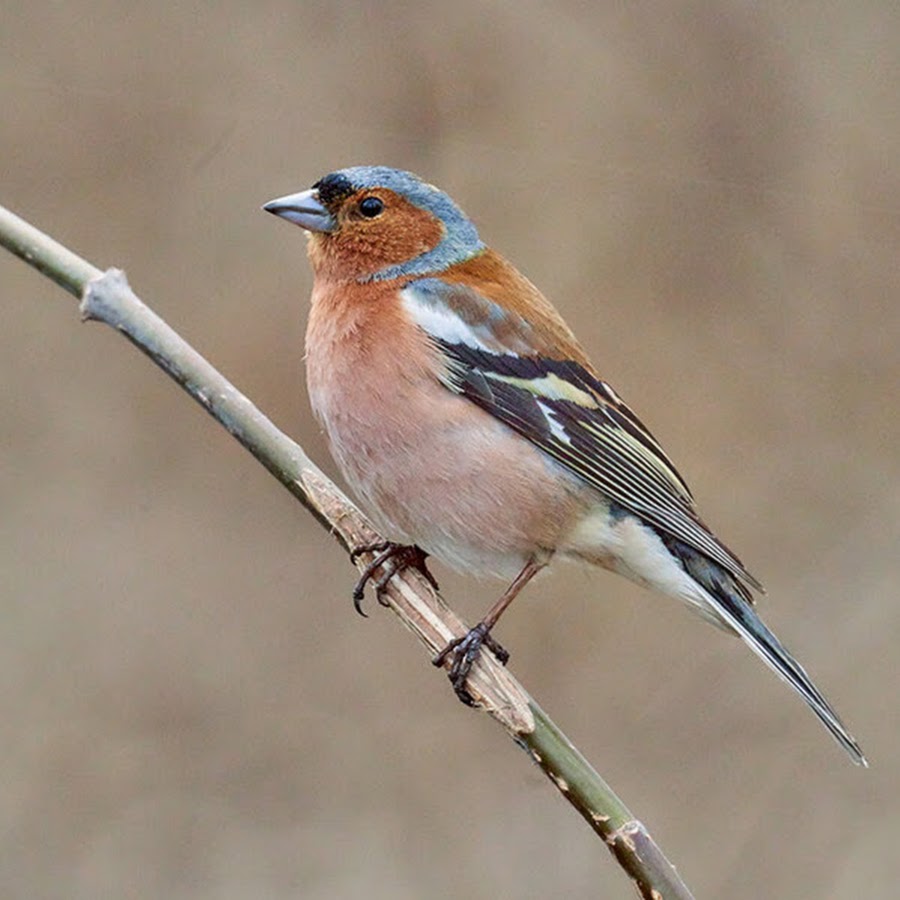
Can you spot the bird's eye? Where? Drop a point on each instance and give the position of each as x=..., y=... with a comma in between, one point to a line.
x=370, y=207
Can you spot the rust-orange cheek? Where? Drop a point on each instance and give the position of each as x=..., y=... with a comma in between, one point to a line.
x=362, y=247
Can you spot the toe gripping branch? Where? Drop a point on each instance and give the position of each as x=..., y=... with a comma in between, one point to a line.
x=390, y=558
x=463, y=652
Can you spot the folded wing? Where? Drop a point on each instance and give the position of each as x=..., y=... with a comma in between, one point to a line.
x=562, y=408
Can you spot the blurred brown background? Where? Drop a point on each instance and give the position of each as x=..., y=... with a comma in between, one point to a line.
x=191, y=709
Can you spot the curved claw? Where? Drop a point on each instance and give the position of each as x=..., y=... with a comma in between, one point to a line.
x=358, y=595
x=393, y=558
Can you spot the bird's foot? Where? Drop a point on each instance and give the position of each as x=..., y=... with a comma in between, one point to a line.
x=391, y=558
x=463, y=652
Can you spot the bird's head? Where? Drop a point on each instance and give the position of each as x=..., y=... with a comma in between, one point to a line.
x=370, y=223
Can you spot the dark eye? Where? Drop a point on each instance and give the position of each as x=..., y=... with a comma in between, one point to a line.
x=370, y=207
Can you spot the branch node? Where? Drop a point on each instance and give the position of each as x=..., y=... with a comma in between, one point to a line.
x=95, y=302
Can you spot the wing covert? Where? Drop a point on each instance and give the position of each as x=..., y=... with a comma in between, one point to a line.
x=561, y=407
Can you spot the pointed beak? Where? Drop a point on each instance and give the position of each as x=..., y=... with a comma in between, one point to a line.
x=303, y=209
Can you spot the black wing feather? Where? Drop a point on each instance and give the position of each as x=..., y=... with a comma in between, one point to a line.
x=596, y=437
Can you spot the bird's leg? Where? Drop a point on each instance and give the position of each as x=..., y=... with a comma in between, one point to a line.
x=398, y=557
x=465, y=650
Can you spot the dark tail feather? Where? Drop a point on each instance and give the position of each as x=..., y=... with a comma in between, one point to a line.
x=732, y=604
x=773, y=653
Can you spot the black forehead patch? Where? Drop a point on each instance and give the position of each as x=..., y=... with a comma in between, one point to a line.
x=333, y=188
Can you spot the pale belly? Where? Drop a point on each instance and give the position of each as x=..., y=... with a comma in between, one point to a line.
x=432, y=469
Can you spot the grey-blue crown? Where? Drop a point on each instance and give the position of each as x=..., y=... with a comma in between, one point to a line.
x=460, y=241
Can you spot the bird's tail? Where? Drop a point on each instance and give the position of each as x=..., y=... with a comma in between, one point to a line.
x=731, y=602
x=744, y=620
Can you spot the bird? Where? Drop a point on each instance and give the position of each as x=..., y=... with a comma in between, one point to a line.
x=472, y=426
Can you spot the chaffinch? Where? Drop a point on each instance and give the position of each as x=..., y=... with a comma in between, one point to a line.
x=471, y=424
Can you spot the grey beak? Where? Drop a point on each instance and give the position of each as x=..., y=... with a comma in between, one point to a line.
x=303, y=209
